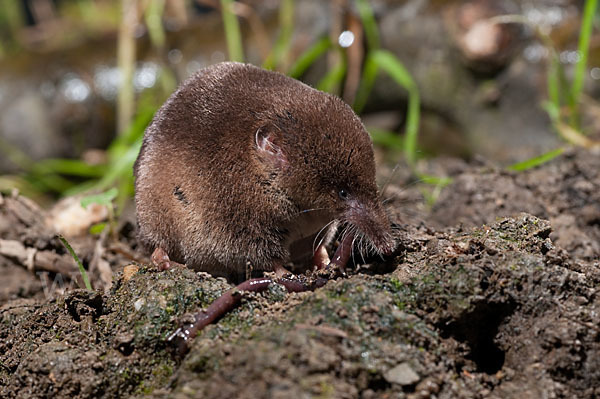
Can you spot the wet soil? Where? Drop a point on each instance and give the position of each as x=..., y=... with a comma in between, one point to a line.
x=493, y=293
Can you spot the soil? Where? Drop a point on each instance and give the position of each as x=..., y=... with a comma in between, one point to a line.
x=493, y=293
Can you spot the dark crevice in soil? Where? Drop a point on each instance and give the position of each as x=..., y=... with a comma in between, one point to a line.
x=378, y=266
x=378, y=383
x=81, y=303
x=478, y=328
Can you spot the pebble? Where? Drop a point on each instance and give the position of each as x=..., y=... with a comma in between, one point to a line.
x=129, y=271
x=402, y=374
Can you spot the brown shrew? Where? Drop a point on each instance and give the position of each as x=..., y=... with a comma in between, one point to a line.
x=247, y=166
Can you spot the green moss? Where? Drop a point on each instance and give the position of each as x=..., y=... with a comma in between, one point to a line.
x=396, y=284
x=199, y=363
x=162, y=371
x=144, y=388
x=327, y=390
x=125, y=374
x=232, y=322
x=401, y=305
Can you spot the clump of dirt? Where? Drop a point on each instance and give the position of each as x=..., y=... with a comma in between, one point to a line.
x=500, y=310
x=86, y=344
x=565, y=191
x=478, y=317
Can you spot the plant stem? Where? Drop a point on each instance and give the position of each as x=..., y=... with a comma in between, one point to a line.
x=84, y=276
x=308, y=57
x=583, y=48
x=370, y=25
x=279, y=54
x=153, y=18
x=126, y=63
x=232, y=31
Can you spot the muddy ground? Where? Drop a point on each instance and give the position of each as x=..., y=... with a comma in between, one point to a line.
x=493, y=293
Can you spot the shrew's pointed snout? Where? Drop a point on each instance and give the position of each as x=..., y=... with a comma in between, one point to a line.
x=373, y=224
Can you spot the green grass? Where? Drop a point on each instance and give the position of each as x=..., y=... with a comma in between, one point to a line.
x=572, y=91
x=563, y=105
x=384, y=60
x=106, y=198
x=332, y=80
x=564, y=95
x=11, y=20
x=583, y=48
x=367, y=79
x=369, y=23
x=232, y=31
x=561, y=92
x=153, y=19
x=386, y=139
x=65, y=177
x=536, y=161
x=309, y=57
x=84, y=276
x=377, y=59
x=396, y=70
x=286, y=29
x=60, y=177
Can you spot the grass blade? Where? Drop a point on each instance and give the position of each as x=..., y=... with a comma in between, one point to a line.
x=308, y=57
x=71, y=167
x=153, y=18
x=104, y=198
x=331, y=81
x=435, y=180
x=370, y=25
x=232, y=31
x=393, y=67
x=583, y=48
x=84, y=276
x=533, y=162
x=282, y=45
x=386, y=139
x=122, y=167
x=365, y=86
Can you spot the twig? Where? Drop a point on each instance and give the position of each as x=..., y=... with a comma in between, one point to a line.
x=35, y=260
x=355, y=59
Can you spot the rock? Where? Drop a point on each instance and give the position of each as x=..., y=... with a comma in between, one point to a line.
x=484, y=44
x=26, y=125
x=128, y=272
x=485, y=113
x=402, y=374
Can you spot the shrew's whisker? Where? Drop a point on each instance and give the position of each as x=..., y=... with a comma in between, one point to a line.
x=352, y=250
x=362, y=248
x=385, y=186
x=318, y=234
x=311, y=210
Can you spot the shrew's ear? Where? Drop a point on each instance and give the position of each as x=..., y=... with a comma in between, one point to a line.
x=268, y=144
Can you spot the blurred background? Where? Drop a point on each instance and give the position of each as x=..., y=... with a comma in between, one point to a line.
x=501, y=80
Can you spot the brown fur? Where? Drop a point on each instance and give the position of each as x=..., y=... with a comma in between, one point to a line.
x=210, y=195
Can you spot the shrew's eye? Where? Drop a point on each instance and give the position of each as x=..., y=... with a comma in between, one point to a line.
x=343, y=193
